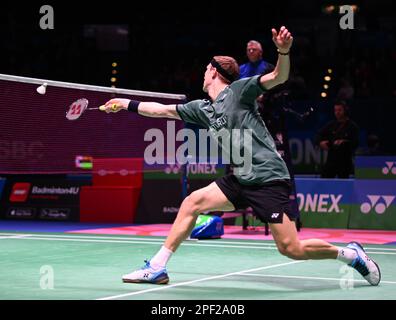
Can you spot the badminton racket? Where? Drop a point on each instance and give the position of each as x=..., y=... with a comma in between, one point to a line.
x=78, y=107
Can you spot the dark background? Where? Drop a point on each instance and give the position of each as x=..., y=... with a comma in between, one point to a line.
x=165, y=47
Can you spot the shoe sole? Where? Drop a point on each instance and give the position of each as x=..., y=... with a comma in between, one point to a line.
x=379, y=273
x=379, y=270
x=162, y=281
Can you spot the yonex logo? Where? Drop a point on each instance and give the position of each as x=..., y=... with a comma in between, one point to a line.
x=390, y=168
x=195, y=168
x=319, y=202
x=76, y=109
x=275, y=215
x=145, y=276
x=173, y=168
x=379, y=202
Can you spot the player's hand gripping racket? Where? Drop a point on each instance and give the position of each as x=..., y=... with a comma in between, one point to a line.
x=78, y=107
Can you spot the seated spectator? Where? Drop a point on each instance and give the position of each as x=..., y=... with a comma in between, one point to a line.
x=346, y=91
x=373, y=147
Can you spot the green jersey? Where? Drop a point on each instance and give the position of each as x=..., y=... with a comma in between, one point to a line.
x=235, y=110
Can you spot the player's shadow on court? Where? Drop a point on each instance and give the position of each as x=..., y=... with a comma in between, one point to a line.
x=300, y=284
x=294, y=284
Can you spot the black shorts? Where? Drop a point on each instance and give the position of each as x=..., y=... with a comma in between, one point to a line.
x=269, y=200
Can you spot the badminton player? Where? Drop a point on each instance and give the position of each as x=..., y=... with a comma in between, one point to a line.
x=265, y=188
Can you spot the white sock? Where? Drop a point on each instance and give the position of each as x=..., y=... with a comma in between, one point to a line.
x=346, y=255
x=161, y=258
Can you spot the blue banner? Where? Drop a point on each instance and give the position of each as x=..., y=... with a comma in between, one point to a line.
x=375, y=167
x=374, y=205
x=324, y=203
x=305, y=156
x=2, y=184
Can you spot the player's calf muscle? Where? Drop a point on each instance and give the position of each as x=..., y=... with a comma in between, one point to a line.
x=291, y=249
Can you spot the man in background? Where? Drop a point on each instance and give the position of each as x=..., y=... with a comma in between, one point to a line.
x=256, y=64
x=273, y=117
x=340, y=137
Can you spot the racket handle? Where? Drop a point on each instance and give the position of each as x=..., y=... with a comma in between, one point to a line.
x=113, y=107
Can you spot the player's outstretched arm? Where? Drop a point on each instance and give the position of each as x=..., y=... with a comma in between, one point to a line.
x=148, y=109
x=283, y=41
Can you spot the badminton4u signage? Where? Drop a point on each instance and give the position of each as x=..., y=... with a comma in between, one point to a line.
x=22, y=192
x=56, y=199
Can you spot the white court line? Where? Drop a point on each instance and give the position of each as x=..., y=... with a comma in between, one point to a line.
x=17, y=236
x=115, y=237
x=196, y=281
x=219, y=241
x=310, y=278
x=142, y=242
x=77, y=236
x=152, y=240
x=188, y=244
x=380, y=252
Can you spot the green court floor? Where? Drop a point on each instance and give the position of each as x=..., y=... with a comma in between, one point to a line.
x=69, y=266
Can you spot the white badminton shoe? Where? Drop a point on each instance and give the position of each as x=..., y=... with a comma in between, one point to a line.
x=364, y=265
x=147, y=275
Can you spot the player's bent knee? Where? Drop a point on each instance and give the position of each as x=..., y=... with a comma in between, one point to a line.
x=195, y=201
